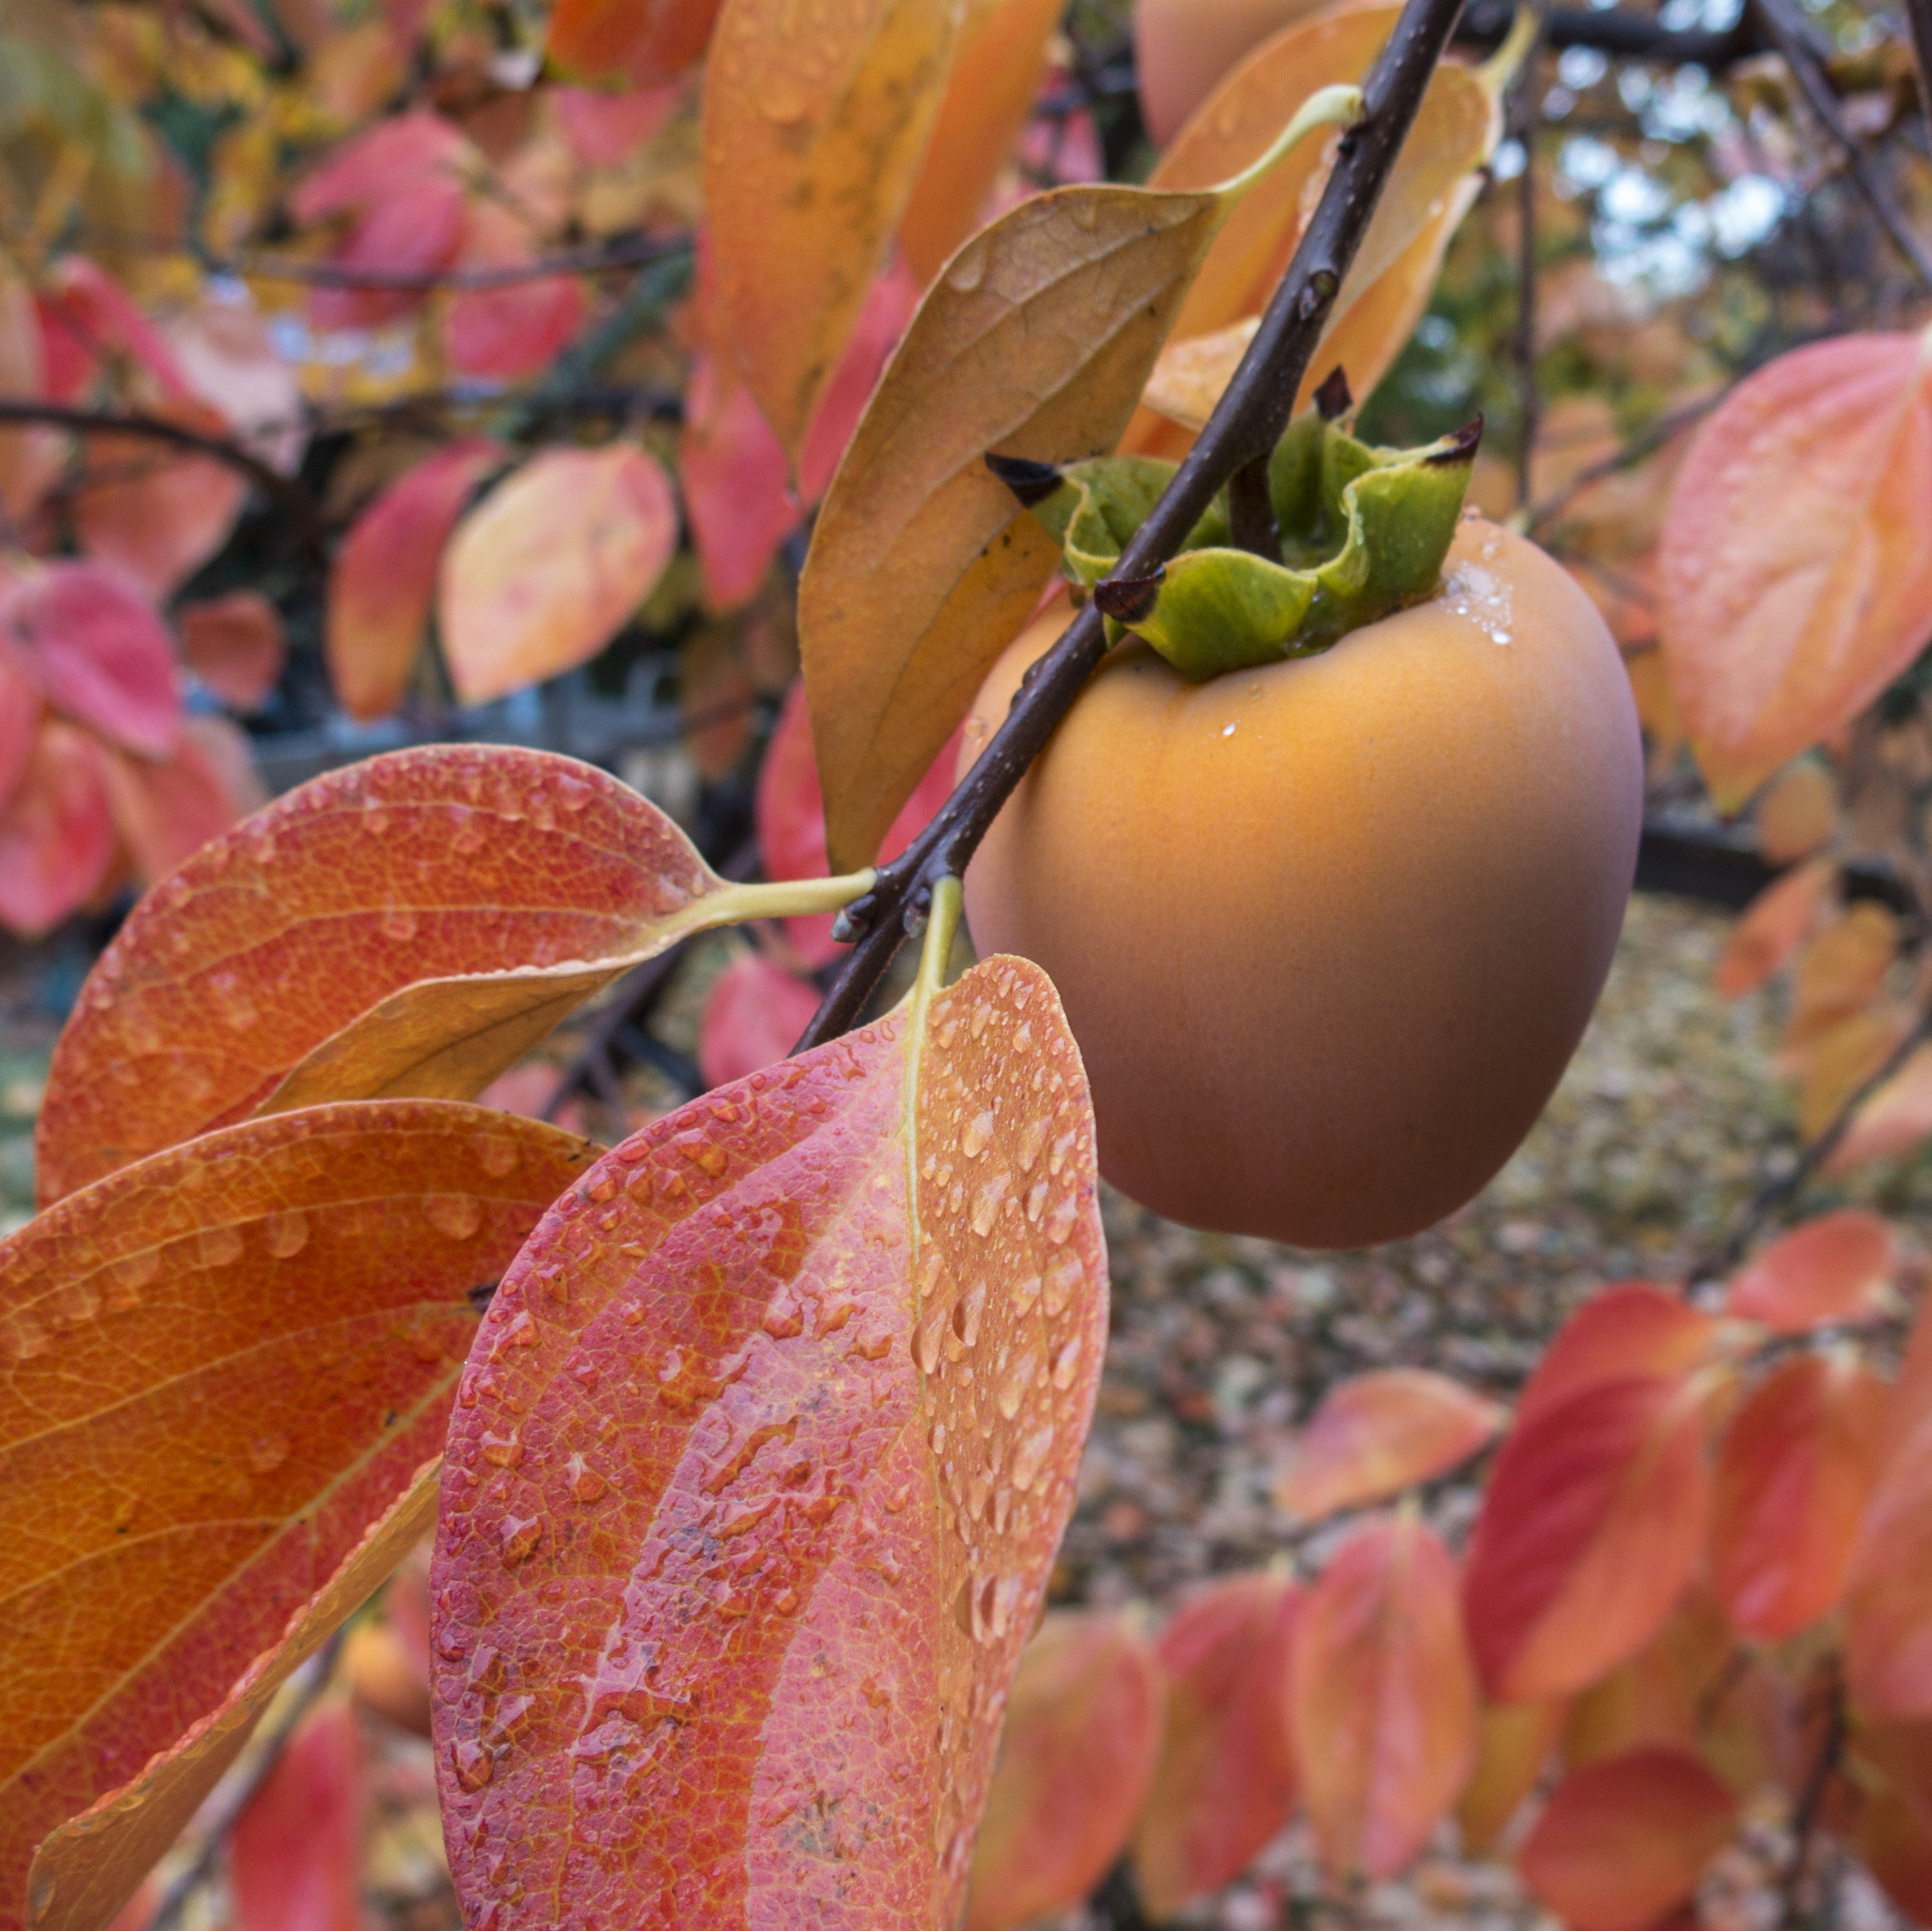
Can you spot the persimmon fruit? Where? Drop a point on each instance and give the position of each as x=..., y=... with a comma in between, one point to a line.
x=1328, y=931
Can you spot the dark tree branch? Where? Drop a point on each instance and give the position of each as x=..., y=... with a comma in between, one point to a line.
x=284, y=492
x=1919, y=13
x=1627, y=35
x=1245, y=426
x=1791, y=40
x=630, y=254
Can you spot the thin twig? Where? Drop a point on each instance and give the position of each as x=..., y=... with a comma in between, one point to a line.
x=1811, y=1800
x=1646, y=442
x=1246, y=423
x=1774, y=1196
x=585, y=260
x=1790, y=40
x=225, y=1808
x=284, y=492
x=1919, y=13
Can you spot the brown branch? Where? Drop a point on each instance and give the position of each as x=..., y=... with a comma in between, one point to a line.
x=1811, y=1800
x=1772, y=1198
x=284, y=492
x=630, y=254
x=1790, y=40
x=1919, y=13
x=1246, y=423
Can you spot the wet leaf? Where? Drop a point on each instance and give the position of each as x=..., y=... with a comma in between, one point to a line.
x=753, y=1019
x=413, y=923
x=99, y=651
x=1888, y=1602
x=1383, y=1698
x=1592, y=1525
x=1513, y=1741
x=1632, y=1328
x=548, y=568
x=383, y=578
x=1625, y=1840
x=56, y=831
x=1794, y=581
x=1836, y=1268
x=989, y=92
x=1795, y=1469
x=1375, y=1434
x=723, y=1405
x=1034, y=343
x=1456, y=127
x=791, y=817
x=235, y=644
x=1771, y=927
x=1225, y=1781
x=294, y=1857
x=1083, y=1730
x=222, y=1367
x=815, y=127
x=604, y=40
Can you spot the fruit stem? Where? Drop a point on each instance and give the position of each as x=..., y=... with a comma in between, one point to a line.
x=1247, y=422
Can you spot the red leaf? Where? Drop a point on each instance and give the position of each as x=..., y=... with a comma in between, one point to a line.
x=294, y=1859
x=1631, y=1329
x=1770, y=929
x=1893, y=1120
x=1592, y=1524
x=102, y=655
x=647, y=44
x=1794, y=1472
x=1376, y=1434
x=19, y=719
x=790, y=816
x=1083, y=1731
x=56, y=837
x=718, y=1408
x=602, y=129
x=1836, y=1268
x=384, y=577
x=155, y=516
x=886, y=316
x=737, y=484
x=1625, y=1840
x=753, y=1019
x=166, y=811
x=235, y=645
x=1383, y=1699
x=85, y=313
x=1889, y=1590
x=516, y=330
x=1794, y=581
x=373, y=168
x=1226, y=1781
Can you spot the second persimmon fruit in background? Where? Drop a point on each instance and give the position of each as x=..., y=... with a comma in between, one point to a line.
x=1328, y=931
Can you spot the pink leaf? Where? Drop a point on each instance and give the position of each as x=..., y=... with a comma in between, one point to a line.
x=755, y=1013
x=102, y=655
x=166, y=812
x=1836, y=1268
x=56, y=837
x=737, y=489
x=235, y=645
x=885, y=317
x=515, y=331
x=601, y=130
x=294, y=1860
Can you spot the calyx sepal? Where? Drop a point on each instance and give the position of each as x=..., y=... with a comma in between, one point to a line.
x=1364, y=531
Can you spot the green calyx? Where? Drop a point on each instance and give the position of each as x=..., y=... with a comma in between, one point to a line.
x=1363, y=532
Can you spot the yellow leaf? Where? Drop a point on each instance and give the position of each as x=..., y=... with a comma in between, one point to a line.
x=546, y=570
x=815, y=122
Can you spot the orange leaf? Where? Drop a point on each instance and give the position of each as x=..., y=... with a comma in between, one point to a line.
x=1225, y=1781
x=415, y=923
x=1632, y=1328
x=996, y=72
x=1888, y=1589
x=1376, y=1434
x=383, y=578
x=752, y=1019
x=1893, y=1121
x=815, y=127
x=19, y=719
x=1383, y=1698
x=234, y=643
x=1592, y=1524
x=56, y=831
x=1083, y=1732
x=30, y=458
x=294, y=1857
x=1794, y=1471
x=548, y=568
x=165, y=812
x=1796, y=582
x=1513, y=1741
x=1833, y=1066
x=1895, y=1844
x=1771, y=927
x=174, y=1490
x=1835, y=1268
x=643, y=41
x=1182, y=48
x=1625, y=1840
x=1661, y=1696
x=1842, y=969
x=156, y=516
x=1798, y=812
x=723, y=1405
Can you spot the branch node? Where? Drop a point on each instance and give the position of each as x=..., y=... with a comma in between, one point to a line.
x=1127, y=599
x=1334, y=398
